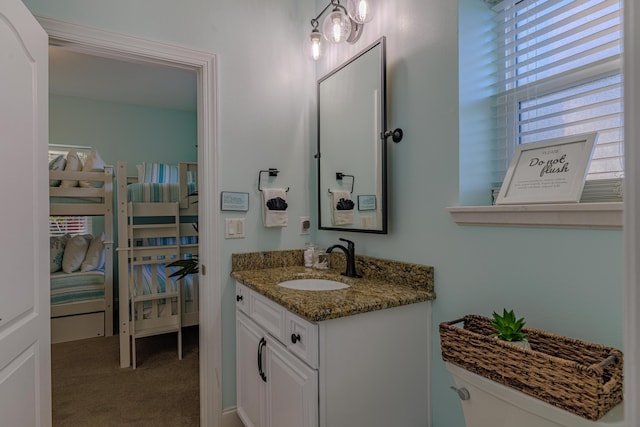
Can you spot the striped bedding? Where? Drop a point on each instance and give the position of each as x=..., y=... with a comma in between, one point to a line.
x=159, y=270
x=76, y=287
x=159, y=191
x=153, y=192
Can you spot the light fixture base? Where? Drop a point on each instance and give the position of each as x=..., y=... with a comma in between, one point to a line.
x=356, y=32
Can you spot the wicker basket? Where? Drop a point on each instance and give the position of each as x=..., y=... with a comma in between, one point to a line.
x=580, y=377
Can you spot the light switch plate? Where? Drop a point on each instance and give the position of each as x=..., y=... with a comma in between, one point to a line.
x=234, y=228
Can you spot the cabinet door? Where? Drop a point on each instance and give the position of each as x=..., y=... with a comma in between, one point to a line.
x=251, y=389
x=292, y=389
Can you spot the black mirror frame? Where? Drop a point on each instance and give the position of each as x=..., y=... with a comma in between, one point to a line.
x=383, y=123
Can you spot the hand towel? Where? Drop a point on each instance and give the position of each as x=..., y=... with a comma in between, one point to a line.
x=274, y=205
x=341, y=216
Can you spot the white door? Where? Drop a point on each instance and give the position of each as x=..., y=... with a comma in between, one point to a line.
x=292, y=389
x=251, y=399
x=25, y=357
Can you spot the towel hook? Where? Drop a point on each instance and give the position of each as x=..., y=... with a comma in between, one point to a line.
x=271, y=172
x=340, y=175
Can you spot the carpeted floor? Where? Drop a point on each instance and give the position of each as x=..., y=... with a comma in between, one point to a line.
x=90, y=388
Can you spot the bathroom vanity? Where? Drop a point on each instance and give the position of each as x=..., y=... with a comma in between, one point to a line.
x=349, y=357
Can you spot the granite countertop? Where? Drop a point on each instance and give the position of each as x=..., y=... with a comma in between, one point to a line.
x=384, y=284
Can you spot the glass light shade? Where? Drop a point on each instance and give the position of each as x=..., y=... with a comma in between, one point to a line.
x=315, y=44
x=361, y=11
x=336, y=26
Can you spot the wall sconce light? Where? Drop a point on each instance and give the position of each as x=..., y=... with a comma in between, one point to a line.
x=341, y=24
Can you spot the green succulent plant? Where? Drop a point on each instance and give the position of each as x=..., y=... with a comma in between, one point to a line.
x=509, y=328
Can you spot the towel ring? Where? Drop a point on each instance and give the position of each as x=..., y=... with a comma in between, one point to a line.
x=340, y=175
x=271, y=172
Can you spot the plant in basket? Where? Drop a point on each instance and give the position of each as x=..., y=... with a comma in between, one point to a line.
x=509, y=328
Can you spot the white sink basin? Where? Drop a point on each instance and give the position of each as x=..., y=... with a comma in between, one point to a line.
x=313, y=285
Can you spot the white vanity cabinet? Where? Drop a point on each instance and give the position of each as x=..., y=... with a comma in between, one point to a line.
x=274, y=387
x=365, y=370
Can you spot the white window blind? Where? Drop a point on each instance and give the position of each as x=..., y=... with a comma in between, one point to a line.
x=558, y=73
x=61, y=225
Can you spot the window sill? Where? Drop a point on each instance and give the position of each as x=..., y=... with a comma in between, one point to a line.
x=606, y=216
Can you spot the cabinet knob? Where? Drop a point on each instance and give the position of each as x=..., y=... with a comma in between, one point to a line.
x=238, y=298
x=295, y=338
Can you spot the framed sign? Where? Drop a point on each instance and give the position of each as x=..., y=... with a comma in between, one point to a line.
x=230, y=201
x=367, y=202
x=550, y=171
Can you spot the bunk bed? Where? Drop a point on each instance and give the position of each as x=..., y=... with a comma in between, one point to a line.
x=82, y=301
x=157, y=224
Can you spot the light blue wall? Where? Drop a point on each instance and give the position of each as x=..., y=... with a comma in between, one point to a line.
x=124, y=132
x=565, y=281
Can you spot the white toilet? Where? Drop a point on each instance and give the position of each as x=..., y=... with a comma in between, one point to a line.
x=491, y=404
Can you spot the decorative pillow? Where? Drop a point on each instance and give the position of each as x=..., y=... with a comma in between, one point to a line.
x=94, y=259
x=159, y=173
x=73, y=164
x=75, y=252
x=93, y=163
x=57, y=164
x=57, y=245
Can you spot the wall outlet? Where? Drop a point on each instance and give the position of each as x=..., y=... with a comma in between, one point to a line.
x=234, y=228
x=305, y=225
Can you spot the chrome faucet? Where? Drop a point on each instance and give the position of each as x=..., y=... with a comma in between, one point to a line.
x=350, y=254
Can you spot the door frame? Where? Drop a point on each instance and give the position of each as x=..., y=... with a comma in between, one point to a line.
x=123, y=47
x=631, y=210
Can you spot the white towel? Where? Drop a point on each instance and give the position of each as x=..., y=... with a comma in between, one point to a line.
x=271, y=218
x=340, y=217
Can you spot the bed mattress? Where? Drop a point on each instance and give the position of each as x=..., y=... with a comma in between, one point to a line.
x=76, y=287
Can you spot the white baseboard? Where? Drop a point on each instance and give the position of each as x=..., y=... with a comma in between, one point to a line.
x=230, y=418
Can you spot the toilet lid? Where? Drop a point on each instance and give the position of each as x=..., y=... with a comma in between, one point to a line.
x=500, y=402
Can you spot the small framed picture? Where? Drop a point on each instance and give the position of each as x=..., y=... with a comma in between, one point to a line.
x=367, y=202
x=550, y=171
x=232, y=201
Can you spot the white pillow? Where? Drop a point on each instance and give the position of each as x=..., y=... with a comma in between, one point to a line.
x=57, y=245
x=93, y=163
x=73, y=164
x=94, y=259
x=75, y=252
x=57, y=164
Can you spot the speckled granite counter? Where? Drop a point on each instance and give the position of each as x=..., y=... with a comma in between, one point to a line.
x=384, y=284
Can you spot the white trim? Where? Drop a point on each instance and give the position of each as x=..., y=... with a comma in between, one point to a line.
x=632, y=207
x=574, y=215
x=230, y=418
x=123, y=47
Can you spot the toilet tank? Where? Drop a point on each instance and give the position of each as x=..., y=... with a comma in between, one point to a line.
x=491, y=404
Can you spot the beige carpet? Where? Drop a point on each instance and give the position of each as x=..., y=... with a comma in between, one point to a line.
x=90, y=388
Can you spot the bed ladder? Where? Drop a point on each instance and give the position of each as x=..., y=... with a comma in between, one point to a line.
x=155, y=298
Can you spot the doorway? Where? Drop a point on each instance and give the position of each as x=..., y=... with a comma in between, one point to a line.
x=121, y=47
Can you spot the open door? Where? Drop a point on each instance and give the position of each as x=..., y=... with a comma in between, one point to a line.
x=25, y=355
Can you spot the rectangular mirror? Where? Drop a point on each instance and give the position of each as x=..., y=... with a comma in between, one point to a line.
x=352, y=158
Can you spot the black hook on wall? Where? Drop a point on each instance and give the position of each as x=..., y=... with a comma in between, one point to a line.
x=396, y=135
x=271, y=172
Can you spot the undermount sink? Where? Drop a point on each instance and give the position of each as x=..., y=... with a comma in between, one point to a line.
x=313, y=285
